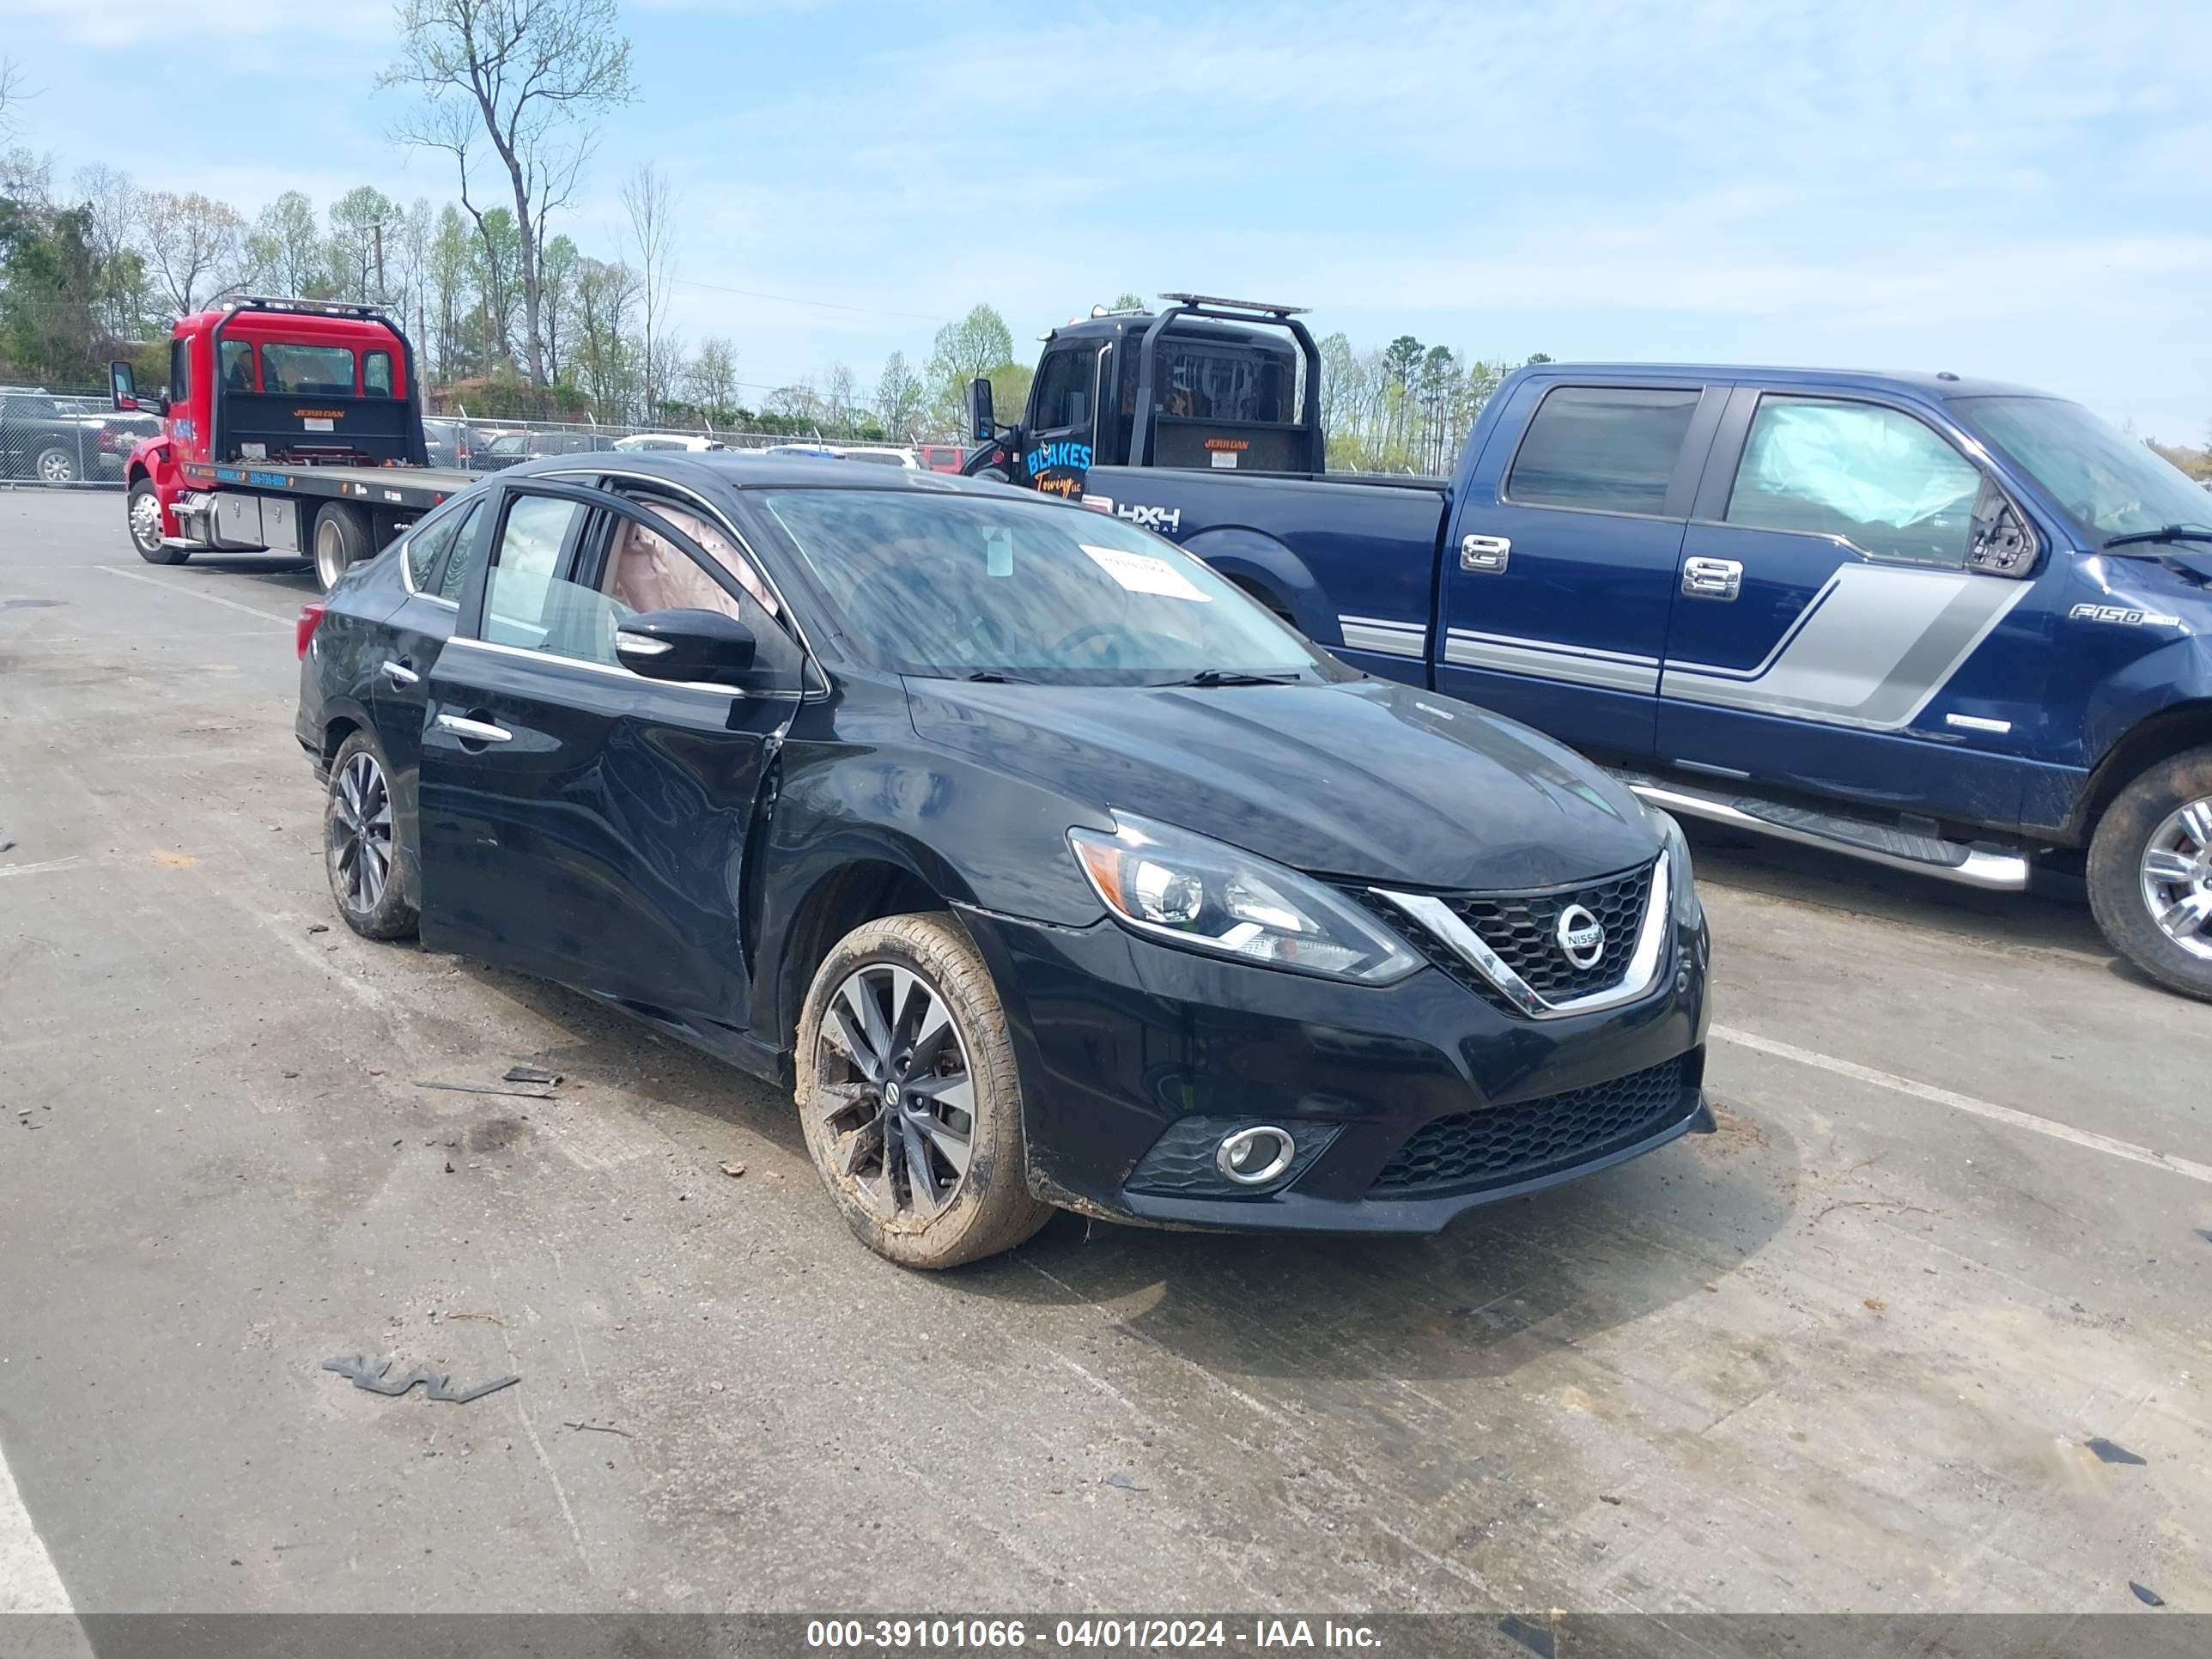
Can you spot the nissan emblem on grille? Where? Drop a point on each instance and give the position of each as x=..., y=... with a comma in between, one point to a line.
x=1581, y=939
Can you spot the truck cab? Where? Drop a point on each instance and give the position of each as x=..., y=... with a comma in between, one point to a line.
x=290, y=401
x=1955, y=627
x=1206, y=383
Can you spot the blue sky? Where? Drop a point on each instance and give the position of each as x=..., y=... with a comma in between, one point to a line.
x=2022, y=190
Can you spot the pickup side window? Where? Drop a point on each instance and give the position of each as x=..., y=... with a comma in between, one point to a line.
x=1603, y=448
x=1063, y=398
x=1877, y=477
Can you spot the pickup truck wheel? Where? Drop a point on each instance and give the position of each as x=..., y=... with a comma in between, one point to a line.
x=2150, y=873
x=361, y=848
x=55, y=465
x=145, y=511
x=341, y=541
x=908, y=1097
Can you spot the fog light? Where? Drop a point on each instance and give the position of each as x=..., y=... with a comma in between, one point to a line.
x=1254, y=1157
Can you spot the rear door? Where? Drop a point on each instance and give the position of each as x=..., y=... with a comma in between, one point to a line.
x=1560, y=563
x=582, y=822
x=1825, y=611
x=439, y=556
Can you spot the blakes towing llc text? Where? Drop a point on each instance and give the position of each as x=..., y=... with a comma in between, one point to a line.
x=1134, y=1635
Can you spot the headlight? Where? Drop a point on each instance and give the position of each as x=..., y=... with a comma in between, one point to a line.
x=1194, y=892
x=1689, y=910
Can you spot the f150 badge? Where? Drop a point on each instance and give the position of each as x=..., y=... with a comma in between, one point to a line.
x=2125, y=616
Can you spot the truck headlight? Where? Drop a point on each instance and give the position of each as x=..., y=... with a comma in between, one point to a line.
x=1170, y=884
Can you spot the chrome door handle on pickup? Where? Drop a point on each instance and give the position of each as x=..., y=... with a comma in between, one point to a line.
x=469, y=730
x=1486, y=555
x=1712, y=578
x=399, y=673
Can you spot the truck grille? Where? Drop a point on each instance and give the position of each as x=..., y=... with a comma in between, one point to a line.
x=1502, y=1144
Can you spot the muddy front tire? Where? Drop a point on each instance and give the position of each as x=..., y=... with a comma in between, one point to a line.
x=2150, y=873
x=909, y=1097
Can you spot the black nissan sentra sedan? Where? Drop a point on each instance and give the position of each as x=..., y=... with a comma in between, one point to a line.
x=1045, y=866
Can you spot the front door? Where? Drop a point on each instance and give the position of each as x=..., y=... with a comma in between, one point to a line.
x=582, y=822
x=1827, y=635
x=1057, y=447
x=1559, y=566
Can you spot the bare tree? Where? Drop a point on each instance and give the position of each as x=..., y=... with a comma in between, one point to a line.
x=192, y=244
x=530, y=72
x=11, y=92
x=713, y=378
x=650, y=203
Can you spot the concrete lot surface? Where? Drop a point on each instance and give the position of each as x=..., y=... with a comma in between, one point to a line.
x=1926, y=1326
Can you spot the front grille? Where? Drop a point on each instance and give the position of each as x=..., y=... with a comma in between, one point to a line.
x=1523, y=929
x=1534, y=1137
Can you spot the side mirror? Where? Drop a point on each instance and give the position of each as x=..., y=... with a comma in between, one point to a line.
x=2002, y=545
x=982, y=424
x=705, y=646
x=122, y=386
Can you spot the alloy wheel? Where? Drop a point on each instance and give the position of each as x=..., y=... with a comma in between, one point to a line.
x=145, y=521
x=893, y=1086
x=2176, y=877
x=361, y=835
x=330, y=554
x=55, y=466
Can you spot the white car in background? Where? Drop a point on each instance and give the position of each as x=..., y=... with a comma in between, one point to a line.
x=880, y=454
x=686, y=441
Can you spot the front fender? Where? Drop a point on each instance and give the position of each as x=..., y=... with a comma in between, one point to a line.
x=1263, y=563
x=2179, y=671
x=155, y=459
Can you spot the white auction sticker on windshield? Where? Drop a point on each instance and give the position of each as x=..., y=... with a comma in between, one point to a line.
x=1140, y=572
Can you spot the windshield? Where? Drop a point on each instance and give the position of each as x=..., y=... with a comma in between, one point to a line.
x=2111, y=483
x=952, y=587
x=512, y=444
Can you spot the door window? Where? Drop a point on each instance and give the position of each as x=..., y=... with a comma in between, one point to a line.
x=1877, y=477
x=1607, y=449
x=1063, y=396
x=525, y=601
x=455, y=581
x=430, y=541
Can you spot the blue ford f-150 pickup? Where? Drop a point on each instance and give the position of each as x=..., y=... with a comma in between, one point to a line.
x=1938, y=623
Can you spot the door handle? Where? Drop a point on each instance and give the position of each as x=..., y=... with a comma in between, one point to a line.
x=469, y=730
x=399, y=673
x=1712, y=578
x=1486, y=555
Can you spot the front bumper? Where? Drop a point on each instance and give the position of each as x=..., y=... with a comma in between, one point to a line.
x=1119, y=1039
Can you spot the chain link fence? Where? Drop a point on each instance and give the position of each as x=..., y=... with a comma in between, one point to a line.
x=65, y=440
x=77, y=440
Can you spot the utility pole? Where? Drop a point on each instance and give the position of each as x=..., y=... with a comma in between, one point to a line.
x=378, y=227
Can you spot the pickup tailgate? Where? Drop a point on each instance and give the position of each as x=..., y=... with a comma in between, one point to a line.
x=1352, y=559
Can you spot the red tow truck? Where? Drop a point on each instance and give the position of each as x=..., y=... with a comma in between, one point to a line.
x=288, y=426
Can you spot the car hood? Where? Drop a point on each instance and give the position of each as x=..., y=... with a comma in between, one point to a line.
x=1367, y=780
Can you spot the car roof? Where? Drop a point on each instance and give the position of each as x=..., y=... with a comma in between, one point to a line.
x=1938, y=384
x=743, y=470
